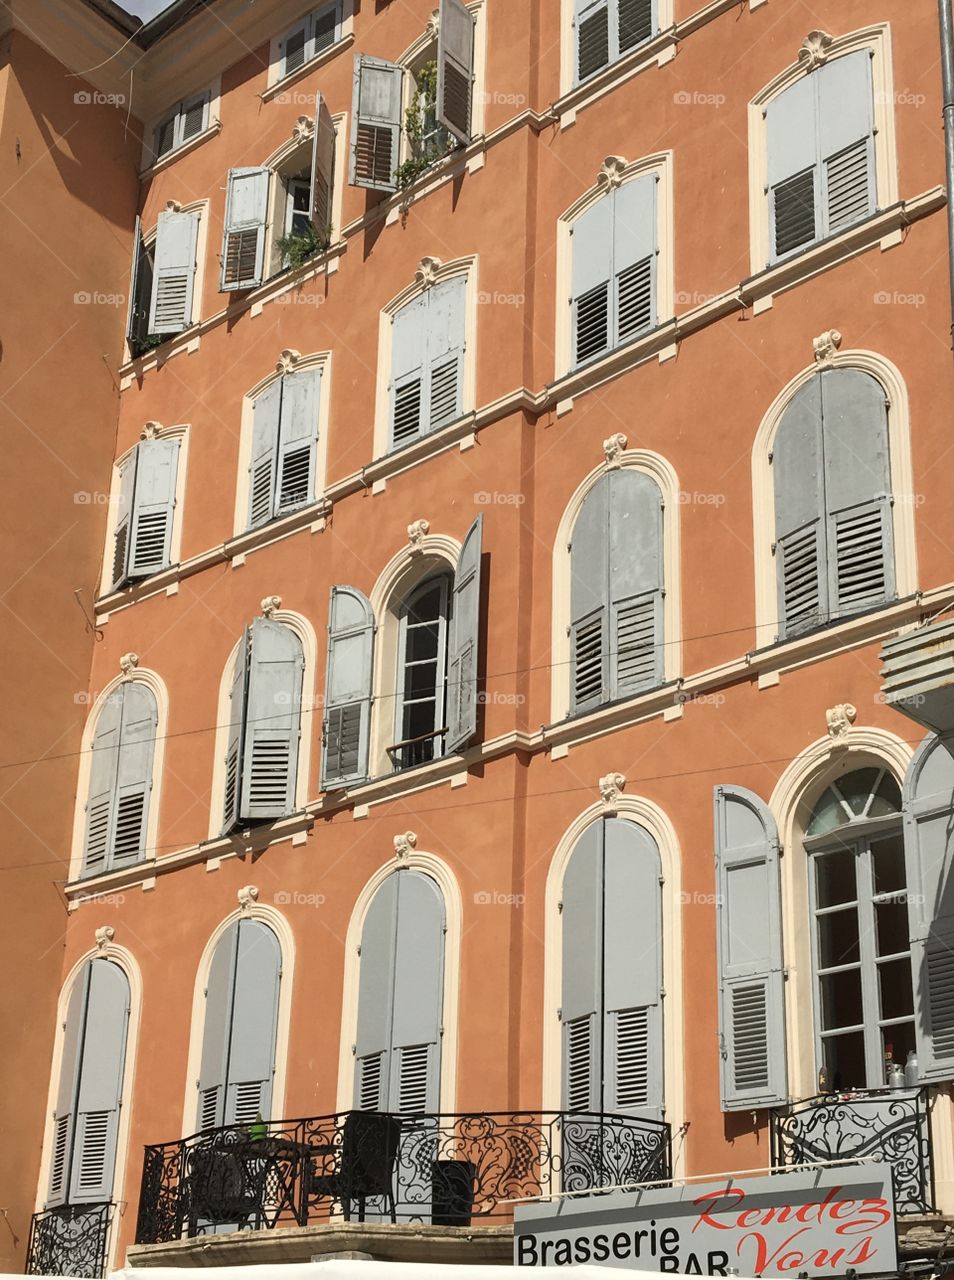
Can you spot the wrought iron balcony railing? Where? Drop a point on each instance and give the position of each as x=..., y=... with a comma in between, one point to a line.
x=70, y=1240
x=442, y=1169
x=877, y=1124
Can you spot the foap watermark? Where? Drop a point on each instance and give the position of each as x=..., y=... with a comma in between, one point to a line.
x=900, y=98
x=100, y=899
x=909, y=699
x=84, y=498
x=302, y=299
x=697, y=499
x=500, y=699
x=696, y=899
x=706, y=699
x=498, y=99
x=296, y=98
x=93, y=298
x=96, y=98
x=696, y=99
x=495, y=499
x=885, y=298
x=686, y=299
x=293, y=898
x=491, y=898
x=498, y=299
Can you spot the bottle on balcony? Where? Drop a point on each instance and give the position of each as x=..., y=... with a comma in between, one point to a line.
x=823, y=1079
x=911, y=1070
x=889, y=1064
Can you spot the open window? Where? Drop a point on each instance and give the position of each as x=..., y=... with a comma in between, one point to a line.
x=163, y=281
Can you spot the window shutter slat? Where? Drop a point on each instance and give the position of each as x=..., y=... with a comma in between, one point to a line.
x=154, y=507
x=322, y=171
x=194, y=116
x=104, y=765
x=376, y=999
x=294, y=49
x=408, y=346
x=845, y=95
x=465, y=640
x=254, y=1024
x=751, y=982
x=792, y=140
x=124, y=519
x=266, y=417
x=100, y=1085
x=376, y=123
x=216, y=1031
x=445, y=352
x=592, y=37
x=634, y=258
x=297, y=439
x=170, y=310
x=273, y=722
x=455, y=68
x=326, y=28
x=637, y=23
x=238, y=706
x=800, y=534
x=635, y=520
x=418, y=994
x=63, y=1117
x=590, y=601
x=581, y=998
x=592, y=277
x=243, y=243
x=347, y=724
x=137, y=744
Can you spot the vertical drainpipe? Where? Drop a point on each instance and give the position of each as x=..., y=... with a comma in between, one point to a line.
x=947, y=72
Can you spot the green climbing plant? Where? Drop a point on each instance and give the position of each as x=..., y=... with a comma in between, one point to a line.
x=427, y=141
x=297, y=247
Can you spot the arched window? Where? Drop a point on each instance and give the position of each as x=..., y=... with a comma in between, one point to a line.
x=612, y=973
x=616, y=593
x=120, y=779
x=241, y=1023
x=834, y=543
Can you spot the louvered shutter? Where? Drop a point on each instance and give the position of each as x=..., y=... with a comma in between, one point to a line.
x=636, y=23
x=194, y=116
x=929, y=859
x=846, y=129
x=61, y=1155
x=592, y=237
x=266, y=416
x=455, y=68
x=446, y=303
x=465, y=639
x=751, y=978
x=273, y=721
x=592, y=22
x=632, y=971
x=104, y=762
x=238, y=707
x=243, y=243
x=124, y=518
x=800, y=533
x=100, y=1084
x=297, y=440
x=322, y=171
x=857, y=490
x=793, y=175
x=408, y=345
x=136, y=318
x=589, y=601
x=581, y=1001
x=325, y=28
x=154, y=506
x=294, y=48
x=415, y=1077
x=216, y=1032
x=376, y=123
x=137, y=745
x=170, y=310
x=635, y=583
x=254, y=1029
x=634, y=259
x=376, y=1000
x=347, y=726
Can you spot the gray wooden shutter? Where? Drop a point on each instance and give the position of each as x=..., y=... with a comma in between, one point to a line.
x=322, y=171
x=801, y=555
x=635, y=583
x=592, y=23
x=347, y=725
x=254, y=1029
x=297, y=440
x=415, y=1077
x=124, y=518
x=273, y=721
x=446, y=318
x=194, y=114
x=293, y=48
x=243, y=243
x=216, y=1032
x=104, y=762
x=455, y=68
x=846, y=125
x=793, y=174
x=136, y=317
x=154, y=507
x=170, y=310
x=857, y=491
x=582, y=996
x=928, y=848
x=408, y=346
x=592, y=236
x=637, y=23
x=589, y=601
x=634, y=259
x=376, y=1000
x=100, y=1084
x=266, y=416
x=376, y=112
x=751, y=976
x=238, y=708
x=325, y=29
x=137, y=745
x=64, y=1116
x=632, y=971
x=465, y=631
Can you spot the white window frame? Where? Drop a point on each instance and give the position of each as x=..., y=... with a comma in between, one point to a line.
x=344, y=29
x=212, y=94
x=445, y=578
x=200, y=207
x=287, y=160
x=665, y=19
x=424, y=49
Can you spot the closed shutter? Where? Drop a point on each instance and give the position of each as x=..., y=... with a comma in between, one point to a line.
x=325, y=28
x=582, y=996
x=137, y=745
x=414, y=1084
x=376, y=128
x=846, y=126
x=294, y=48
x=213, y=1068
x=800, y=534
x=104, y=763
x=194, y=116
x=124, y=518
x=928, y=849
x=408, y=345
x=243, y=244
x=465, y=639
x=322, y=172
x=751, y=978
x=100, y=1084
x=592, y=237
x=634, y=259
x=61, y=1155
x=154, y=506
x=238, y=707
x=635, y=583
x=445, y=353
x=254, y=1029
x=636, y=23
x=170, y=310
x=589, y=601
x=376, y=1000
x=297, y=439
x=273, y=722
x=592, y=22
x=266, y=415
x=455, y=68
x=347, y=725
x=793, y=176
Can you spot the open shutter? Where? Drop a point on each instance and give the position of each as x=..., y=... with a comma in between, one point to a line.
x=634, y=259
x=64, y=1116
x=104, y=763
x=173, y=279
x=793, y=176
x=273, y=721
x=635, y=583
x=137, y=745
x=846, y=124
x=322, y=171
x=455, y=68
x=632, y=971
x=347, y=726
x=297, y=439
x=408, y=343
x=445, y=352
x=140, y=290
x=266, y=415
x=801, y=555
x=243, y=244
x=251, y=1061
x=581, y=1011
x=376, y=123
x=592, y=237
x=216, y=1032
x=100, y=1084
x=124, y=518
x=154, y=506
x=415, y=1082
x=376, y=1000
x=465, y=632
x=929, y=858
x=858, y=491
x=589, y=601
x=592, y=22
x=751, y=976
x=238, y=707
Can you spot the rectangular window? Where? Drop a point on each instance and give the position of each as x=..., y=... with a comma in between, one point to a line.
x=427, y=361
x=284, y=443
x=187, y=120
x=605, y=30
x=309, y=37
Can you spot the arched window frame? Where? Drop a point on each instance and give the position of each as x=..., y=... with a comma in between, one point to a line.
x=288, y=159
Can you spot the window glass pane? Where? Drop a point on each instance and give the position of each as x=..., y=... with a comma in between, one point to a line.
x=838, y=939
x=856, y=788
x=887, y=798
x=300, y=194
x=419, y=719
x=897, y=1042
x=827, y=814
x=897, y=997
x=422, y=642
x=835, y=878
x=887, y=857
x=841, y=999
x=420, y=680
x=845, y=1060
x=425, y=606
x=892, y=928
